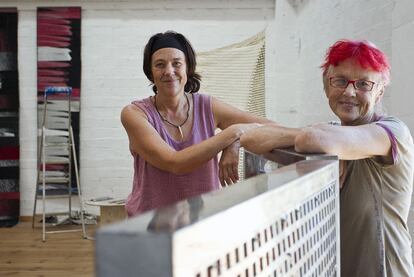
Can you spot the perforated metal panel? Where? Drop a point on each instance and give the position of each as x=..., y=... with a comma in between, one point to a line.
x=280, y=223
x=302, y=242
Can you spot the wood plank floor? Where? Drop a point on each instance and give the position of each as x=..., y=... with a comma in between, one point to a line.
x=22, y=252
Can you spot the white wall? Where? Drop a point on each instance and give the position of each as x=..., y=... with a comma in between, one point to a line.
x=304, y=30
x=401, y=102
x=402, y=97
x=113, y=36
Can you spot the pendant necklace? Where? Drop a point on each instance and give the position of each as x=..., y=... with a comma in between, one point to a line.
x=172, y=124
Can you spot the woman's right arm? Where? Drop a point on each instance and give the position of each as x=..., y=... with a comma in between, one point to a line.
x=145, y=141
x=269, y=137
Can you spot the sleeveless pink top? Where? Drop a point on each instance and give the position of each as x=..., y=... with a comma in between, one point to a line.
x=153, y=187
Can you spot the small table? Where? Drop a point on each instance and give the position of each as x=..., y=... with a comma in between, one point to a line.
x=112, y=210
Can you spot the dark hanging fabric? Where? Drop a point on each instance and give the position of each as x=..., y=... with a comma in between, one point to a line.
x=9, y=120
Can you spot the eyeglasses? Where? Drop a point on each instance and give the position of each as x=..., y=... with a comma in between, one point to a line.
x=360, y=85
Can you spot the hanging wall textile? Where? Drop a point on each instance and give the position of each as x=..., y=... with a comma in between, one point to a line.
x=242, y=81
x=9, y=120
x=59, y=65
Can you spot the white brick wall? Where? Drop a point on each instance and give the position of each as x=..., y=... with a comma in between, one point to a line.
x=304, y=30
x=113, y=36
x=28, y=109
x=402, y=97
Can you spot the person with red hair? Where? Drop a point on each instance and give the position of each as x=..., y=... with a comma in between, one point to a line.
x=376, y=155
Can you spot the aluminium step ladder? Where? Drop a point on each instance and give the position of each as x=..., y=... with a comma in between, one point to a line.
x=56, y=150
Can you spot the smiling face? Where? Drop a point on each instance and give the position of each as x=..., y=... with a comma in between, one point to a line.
x=169, y=70
x=353, y=106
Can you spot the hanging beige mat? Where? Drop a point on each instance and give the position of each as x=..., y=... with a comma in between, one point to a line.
x=235, y=74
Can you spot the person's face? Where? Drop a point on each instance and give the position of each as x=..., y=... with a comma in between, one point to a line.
x=169, y=70
x=353, y=106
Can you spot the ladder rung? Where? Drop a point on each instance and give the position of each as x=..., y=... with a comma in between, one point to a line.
x=59, y=180
x=57, y=144
x=55, y=196
x=52, y=132
x=53, y=213
x=53, y=173
x=57, y=160
x=56, y=139
x=64, y=231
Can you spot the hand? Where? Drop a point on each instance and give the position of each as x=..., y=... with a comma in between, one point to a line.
x=228, y=165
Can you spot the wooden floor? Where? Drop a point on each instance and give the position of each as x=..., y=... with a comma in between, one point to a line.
x=22, y=252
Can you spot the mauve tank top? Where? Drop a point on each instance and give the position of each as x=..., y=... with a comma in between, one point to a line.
x=153, y=187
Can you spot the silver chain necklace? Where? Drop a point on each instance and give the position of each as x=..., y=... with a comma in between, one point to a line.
x=172, y=124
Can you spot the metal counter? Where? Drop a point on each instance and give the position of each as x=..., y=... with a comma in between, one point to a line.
x=283, y=221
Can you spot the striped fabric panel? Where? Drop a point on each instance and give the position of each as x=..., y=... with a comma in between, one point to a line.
x=241, y=82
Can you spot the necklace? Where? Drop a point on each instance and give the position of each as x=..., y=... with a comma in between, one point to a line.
x=172, y=124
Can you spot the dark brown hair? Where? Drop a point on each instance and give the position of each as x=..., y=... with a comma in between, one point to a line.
x=193, y=78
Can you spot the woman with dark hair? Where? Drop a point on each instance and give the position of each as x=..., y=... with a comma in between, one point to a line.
x=172, y=134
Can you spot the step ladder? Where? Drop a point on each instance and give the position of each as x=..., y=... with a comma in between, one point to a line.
x=56, y=150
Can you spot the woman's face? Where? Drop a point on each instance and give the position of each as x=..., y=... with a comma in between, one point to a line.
x=169, y=71
x=353, y=106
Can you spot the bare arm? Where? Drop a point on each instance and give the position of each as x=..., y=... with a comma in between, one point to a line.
x=268, y=137
x=347, y=142
x=225, y=115
x=145, y=141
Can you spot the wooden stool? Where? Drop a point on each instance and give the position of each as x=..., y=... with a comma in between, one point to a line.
x=112, y=210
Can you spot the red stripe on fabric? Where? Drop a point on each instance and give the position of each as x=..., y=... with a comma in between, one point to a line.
x=53, y=64
x=75, y=93
x=8, y=10
x=54, y=38
x=51, y=79
x=9, y=207
x=50, y=72
x=4, y=102
x=54, y=167
x=45, y=28
x=9, y=195
x=56, y=21
x=69, y=13
x=4, y=42
x=9, y=153
x=60, y=44
x=54, y=31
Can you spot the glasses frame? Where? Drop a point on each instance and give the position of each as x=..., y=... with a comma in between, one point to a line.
x=353, y=82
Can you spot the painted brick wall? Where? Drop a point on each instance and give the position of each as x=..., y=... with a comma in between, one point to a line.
x=303, y=29
x=402, y=97
x=113, y=36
